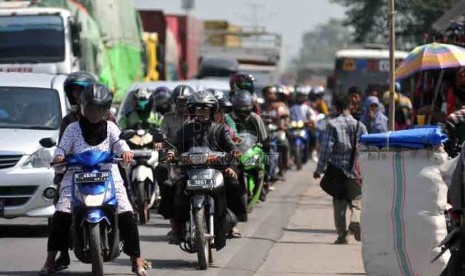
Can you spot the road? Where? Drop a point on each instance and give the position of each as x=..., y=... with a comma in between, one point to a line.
x=23, y=241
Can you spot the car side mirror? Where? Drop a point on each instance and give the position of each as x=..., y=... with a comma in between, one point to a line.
x=127, y=134
x=47, y=142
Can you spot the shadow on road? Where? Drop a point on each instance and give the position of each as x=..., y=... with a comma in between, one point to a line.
x=23, y=231
x=162, y=238
x=160, y=264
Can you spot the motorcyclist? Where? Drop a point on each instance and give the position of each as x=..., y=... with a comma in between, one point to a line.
x=248, y=121
x=172, y=122
x=223, y=115
x=202, y=131
x=243, y=81
x=74, y=84
x=162, y=100
x=316, y=100
x=142, y=115
x=276, y=110
x=92, y=131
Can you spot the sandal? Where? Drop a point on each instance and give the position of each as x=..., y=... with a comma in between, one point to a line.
x=235, y=233
x=142, y=270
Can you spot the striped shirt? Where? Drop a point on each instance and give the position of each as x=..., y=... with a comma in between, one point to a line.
x=336, y=147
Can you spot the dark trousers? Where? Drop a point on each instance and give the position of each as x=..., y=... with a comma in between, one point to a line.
x=59, y=236
x=165, y=208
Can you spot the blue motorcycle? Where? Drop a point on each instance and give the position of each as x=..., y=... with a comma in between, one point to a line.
x=94, y=230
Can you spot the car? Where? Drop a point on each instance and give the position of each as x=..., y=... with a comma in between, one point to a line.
x=31, y=108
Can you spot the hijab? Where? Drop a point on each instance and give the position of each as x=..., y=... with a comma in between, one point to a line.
x=379, y=123
x=93, y=134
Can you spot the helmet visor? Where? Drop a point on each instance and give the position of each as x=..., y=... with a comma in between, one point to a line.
x=93, y=113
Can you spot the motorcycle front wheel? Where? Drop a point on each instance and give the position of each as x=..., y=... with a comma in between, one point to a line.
x=201, y=242
x=95, y=249
x=142, y=204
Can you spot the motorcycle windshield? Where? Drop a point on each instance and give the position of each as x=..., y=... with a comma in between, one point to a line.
x=248, y=141
x=90, y=158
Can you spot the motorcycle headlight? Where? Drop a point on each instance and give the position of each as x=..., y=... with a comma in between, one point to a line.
x=39, y=159
x=94, y=200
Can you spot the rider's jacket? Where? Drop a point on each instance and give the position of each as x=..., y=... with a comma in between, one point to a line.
x=135, y=120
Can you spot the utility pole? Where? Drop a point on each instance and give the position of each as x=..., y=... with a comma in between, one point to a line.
x=392, y=65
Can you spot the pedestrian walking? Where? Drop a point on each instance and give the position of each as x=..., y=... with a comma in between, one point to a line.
x=338, y=162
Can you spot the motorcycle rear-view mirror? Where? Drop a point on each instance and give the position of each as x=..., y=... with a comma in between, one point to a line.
x=127, y=134
x=47, y=142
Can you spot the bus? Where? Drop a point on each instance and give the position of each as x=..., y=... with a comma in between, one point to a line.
x=364, y=68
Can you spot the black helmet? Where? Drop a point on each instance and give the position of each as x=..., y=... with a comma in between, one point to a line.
x=143, y=100
x=302, y=90
x=162, y=98
x=95, y=102
x=203, y=98
x=242, y=102
x=81, y=79
x=242, y=81
x=181, y=92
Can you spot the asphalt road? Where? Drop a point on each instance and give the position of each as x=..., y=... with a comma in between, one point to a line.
x=23, y=241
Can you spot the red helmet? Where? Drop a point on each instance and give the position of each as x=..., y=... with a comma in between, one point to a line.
x=242, y=81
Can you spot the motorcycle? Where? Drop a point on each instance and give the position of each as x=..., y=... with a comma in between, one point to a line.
x=143, y=184
x=299, y=138
x=95, y=232
x=252, y=163
x=198, y=169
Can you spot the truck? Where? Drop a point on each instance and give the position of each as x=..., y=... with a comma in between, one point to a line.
x=227, y=48
x=177, y=47
x=58, y=36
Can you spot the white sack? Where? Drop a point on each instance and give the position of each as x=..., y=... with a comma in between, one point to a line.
x=404, y=198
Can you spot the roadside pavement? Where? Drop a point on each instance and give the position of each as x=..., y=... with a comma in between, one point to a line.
x=306, y=246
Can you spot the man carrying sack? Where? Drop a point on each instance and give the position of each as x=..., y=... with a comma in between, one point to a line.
x=338, y=162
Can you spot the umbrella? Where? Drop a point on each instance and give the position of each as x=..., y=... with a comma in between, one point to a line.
x=431, y=56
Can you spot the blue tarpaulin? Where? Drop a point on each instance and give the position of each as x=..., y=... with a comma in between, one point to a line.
x=412, y=138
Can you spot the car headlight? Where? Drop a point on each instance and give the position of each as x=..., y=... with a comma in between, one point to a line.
x=40, y=159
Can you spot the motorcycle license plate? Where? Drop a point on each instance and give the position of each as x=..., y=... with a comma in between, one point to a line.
x=198, y=183
x=90, y=177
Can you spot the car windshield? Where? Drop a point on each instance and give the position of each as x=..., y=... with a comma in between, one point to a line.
x=31, y=39
x=29, y=108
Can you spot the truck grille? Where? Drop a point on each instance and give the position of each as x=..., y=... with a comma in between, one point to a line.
x=8, y=161
x=16, y=195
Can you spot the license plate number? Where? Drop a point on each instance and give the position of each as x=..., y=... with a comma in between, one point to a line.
x=90, y=177
x=199, y=182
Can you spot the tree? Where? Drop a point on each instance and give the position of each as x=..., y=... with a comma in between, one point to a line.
x=414, y=18
x=320, y=44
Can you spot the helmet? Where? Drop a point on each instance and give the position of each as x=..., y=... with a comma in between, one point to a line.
x=162, y=99
x=302, y=90
x=143, y=100
x=269, y=91
x=282, y=92
x=81, y=79
x=95, y=102
x=203, y=98
x=181, y=92
x=318, y=90
x=242, y=81
x=242, y=102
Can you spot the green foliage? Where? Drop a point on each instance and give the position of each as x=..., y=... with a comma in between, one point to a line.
x=369, y=18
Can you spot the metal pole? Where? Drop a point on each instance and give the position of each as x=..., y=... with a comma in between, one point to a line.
x=392, y=66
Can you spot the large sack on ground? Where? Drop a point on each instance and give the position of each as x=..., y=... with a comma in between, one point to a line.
x=404, y=198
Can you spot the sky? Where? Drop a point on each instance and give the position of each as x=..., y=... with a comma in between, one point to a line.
x=290, y=18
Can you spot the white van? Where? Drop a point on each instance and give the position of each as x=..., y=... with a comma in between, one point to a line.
x=31, y=108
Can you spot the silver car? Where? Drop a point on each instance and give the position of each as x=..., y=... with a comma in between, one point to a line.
x=31, y=108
